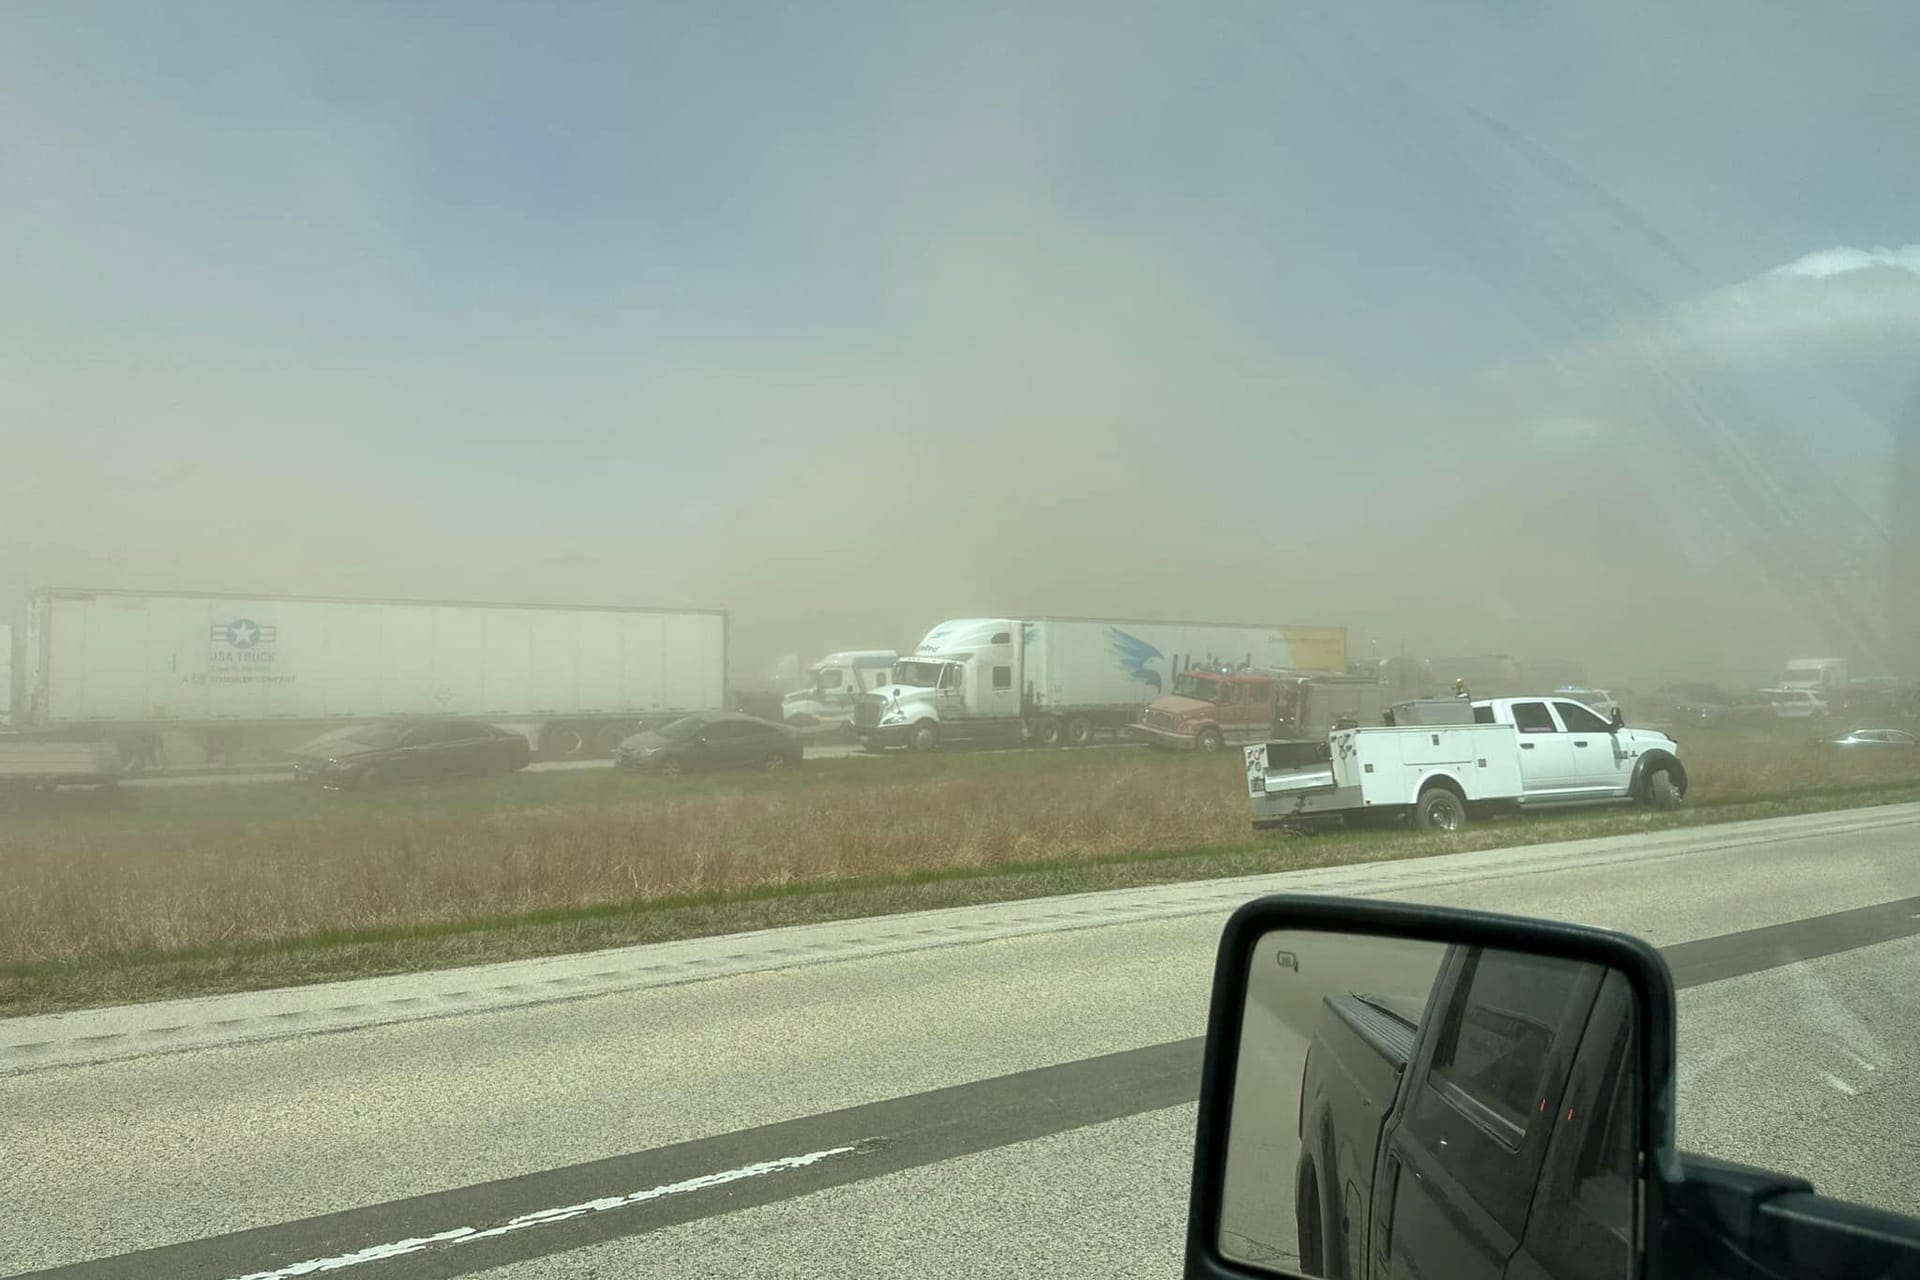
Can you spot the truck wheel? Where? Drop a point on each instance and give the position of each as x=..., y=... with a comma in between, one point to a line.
x=1079, y=731
x=1439, y=809
x=926, y=736
x=1306, y=1221
x=1045, y=731
x=1661, y=793
x=1209, y=741
x=559, y=741
x=607, y=739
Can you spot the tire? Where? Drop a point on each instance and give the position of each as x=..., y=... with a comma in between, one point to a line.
x=1309, y=1230
x=1661, y=792
x=672, y=767
x=1209, y=741
x=561, y=741
x=925, y=736
x=1439, y=809
x=1046, y=731
x=1079, y=731
x=775, y=762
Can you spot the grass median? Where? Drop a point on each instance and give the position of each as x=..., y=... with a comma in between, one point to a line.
x=234, y=887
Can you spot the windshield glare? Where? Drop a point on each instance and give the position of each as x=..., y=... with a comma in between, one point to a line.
x=682, y=729
x=917, y=675
x=373, y=735
x=1206, y=688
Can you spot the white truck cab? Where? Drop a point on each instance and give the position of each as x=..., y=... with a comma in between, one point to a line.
x=1442, y=760
x=1065, y=681
x=835, y=681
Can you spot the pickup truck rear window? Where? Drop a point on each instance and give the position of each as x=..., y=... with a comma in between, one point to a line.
x=1500, y=1034
x=1533, y=717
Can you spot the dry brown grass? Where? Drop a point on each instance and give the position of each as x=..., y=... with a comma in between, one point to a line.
x=199, y=871
x=66, y=893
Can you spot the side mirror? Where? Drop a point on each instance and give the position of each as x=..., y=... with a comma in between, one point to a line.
x=1393, y=1090
x=1619, y=718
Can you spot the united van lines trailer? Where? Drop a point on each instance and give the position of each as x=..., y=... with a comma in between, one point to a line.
x=128, y=665
x=1052, y=680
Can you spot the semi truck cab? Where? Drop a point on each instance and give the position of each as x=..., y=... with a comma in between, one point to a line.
x=836, y=680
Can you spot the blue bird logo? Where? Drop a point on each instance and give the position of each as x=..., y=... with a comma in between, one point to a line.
x=1134, y=654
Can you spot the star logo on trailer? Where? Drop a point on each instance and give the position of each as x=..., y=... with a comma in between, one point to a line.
x=243, y=633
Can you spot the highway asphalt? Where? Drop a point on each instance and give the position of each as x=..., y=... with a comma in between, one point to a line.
x=241, y=775
x=1005, y=1091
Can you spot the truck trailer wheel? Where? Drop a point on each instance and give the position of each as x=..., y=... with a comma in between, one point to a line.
x=1209, y=741
x=608, y=737
x=1439, y=809
x=925, y=736
x=561, y=741
x=1045, y=731
x=1079, y=731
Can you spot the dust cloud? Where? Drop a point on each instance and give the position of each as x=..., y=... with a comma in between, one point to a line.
x=851, y=327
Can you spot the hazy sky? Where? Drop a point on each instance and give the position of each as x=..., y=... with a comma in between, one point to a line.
x=848, y=318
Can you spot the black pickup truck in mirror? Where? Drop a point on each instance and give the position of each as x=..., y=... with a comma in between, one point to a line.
x=1426, y=1109
x=1400, y=1091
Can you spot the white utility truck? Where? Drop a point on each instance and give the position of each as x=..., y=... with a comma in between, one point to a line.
x=1444, y=759
x=1062, y=680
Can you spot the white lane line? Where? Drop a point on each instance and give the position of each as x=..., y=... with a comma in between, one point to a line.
x=545, y=1217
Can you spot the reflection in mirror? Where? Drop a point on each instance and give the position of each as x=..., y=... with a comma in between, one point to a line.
x=1408, y=1108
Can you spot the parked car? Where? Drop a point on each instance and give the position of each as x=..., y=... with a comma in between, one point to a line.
x=1707, y=704
x=1869, y=738
x=394, y=751
x=711, y=740
x=1795, y=704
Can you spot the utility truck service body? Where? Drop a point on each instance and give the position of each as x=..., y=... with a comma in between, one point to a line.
x=1444, y=759
x=114, y=665
x=1055, y=680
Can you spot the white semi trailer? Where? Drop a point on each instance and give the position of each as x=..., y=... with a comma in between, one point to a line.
x=1063, y=680
x=132, y=667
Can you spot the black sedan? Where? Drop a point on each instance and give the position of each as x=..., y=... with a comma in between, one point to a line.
x=711, y=740
x=393, y=751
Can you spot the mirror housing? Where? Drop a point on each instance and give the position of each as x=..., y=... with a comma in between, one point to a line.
x=1220, y=1197
x=1693, y=1216
x=1619, y=718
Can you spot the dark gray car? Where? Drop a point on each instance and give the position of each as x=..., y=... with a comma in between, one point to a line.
x=394, y=751
x=711, y=740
